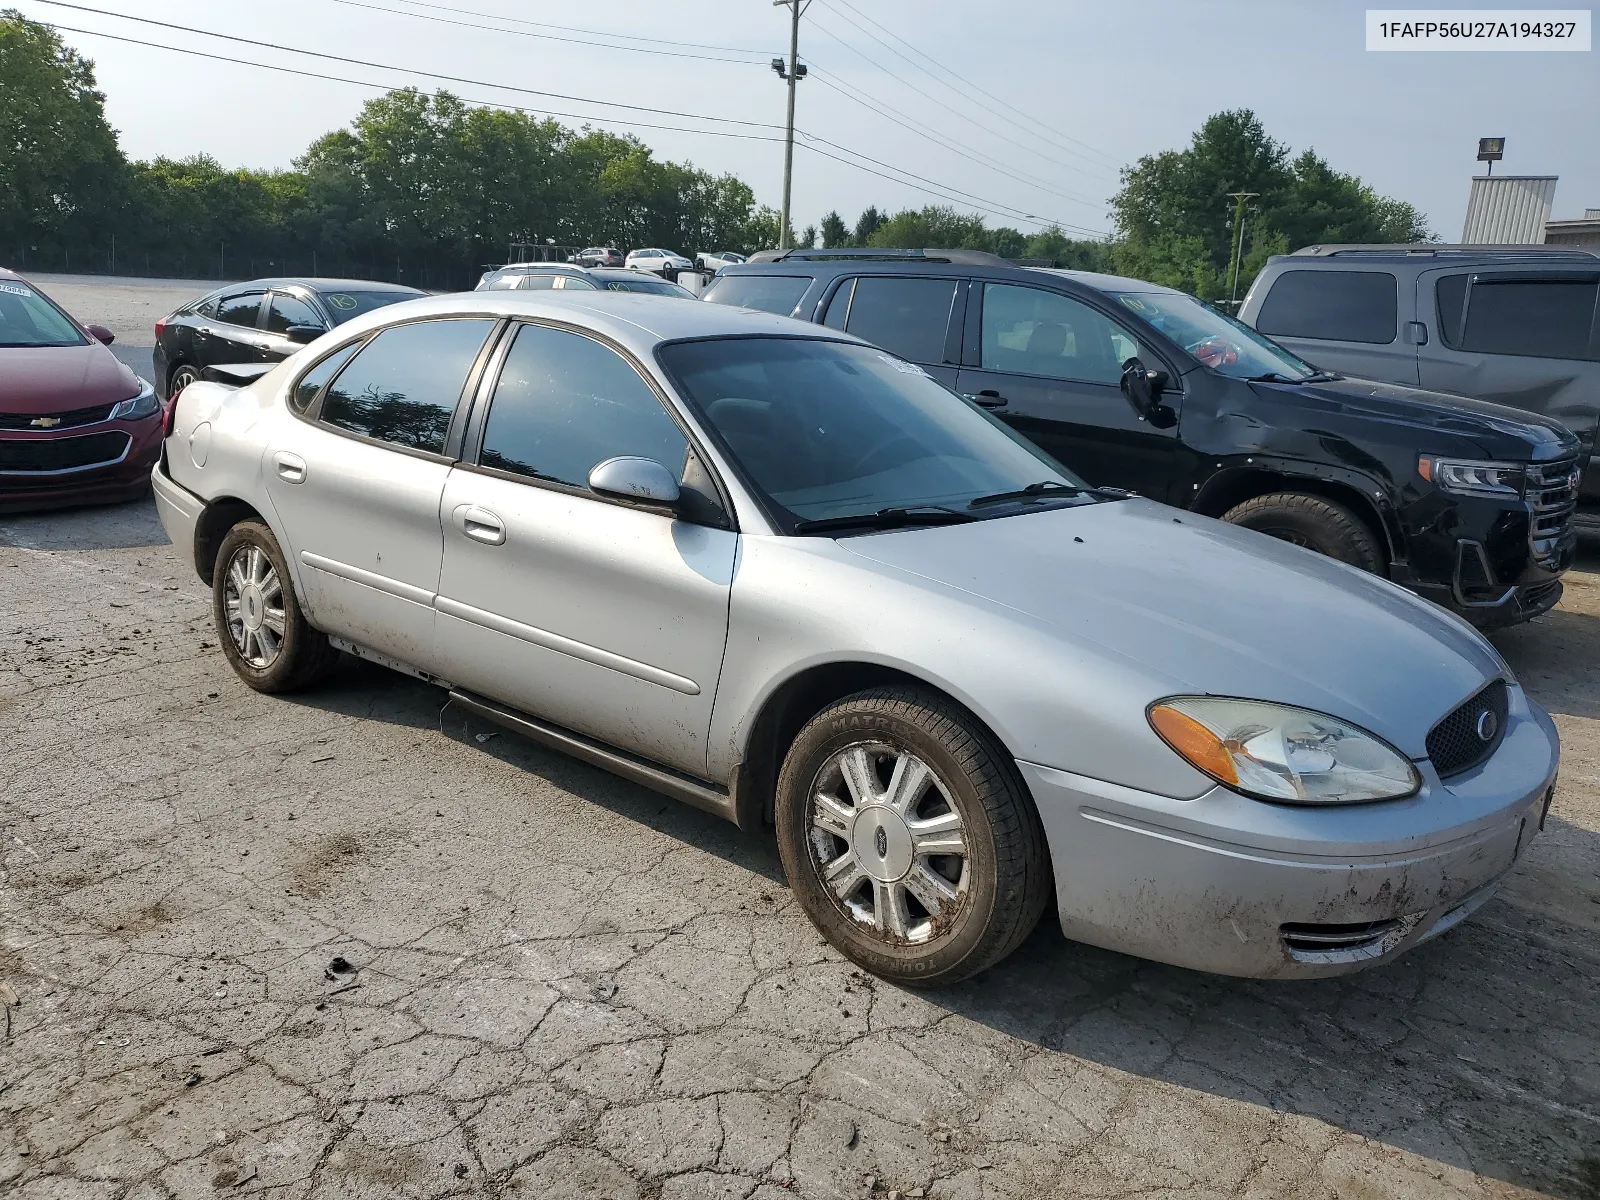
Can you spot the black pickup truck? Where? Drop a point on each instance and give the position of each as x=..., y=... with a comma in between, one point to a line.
x=1137, y=386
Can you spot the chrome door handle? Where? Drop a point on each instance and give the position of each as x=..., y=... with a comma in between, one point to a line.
x=480, y=524
x=291, y=467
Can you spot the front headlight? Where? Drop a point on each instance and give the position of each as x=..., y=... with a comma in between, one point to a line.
x=1470, y=477
x=1275, y=752
x=138, y=407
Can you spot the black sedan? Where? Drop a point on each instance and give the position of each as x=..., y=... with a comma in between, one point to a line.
x=263, y=321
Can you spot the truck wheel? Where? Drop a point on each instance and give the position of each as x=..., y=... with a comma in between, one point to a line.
x=908, y=837
x=263, y=633
x=1313, y=522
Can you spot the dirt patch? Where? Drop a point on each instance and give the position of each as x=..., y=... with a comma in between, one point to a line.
x=332, y=857
x=391, y=1167
x=151, y=916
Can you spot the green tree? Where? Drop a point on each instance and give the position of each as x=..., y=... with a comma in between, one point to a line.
x=62, y=176
x=835, y=233
x=870, y=221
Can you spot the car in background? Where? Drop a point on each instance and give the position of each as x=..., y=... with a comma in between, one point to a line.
x=1137, y=386
x=262, y=321
x=600, y=256
x=783, y=576
x=1516, y=325
x=76, y=425
x=659, y=262
x=544, y=277
x=715, y=260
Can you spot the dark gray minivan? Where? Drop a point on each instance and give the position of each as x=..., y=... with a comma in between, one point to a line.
x=1517, y=325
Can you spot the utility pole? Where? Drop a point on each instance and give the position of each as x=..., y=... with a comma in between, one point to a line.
x=1238, y=199
x=793, y=75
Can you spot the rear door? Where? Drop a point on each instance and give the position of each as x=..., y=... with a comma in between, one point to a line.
x=357, y=483
x=917, y=317
x=1346, y=321
x=1050, y=366
x=1524, y=338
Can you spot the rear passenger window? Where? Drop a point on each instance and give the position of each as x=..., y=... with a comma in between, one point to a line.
x=1451, y=294
x=240, y=310
x=768, y=293
x=1541, y=318
x=839, y=306
x=404, y=385
x=311, y=382
x=908, y=317
x=1333, y=306
x=565, y=403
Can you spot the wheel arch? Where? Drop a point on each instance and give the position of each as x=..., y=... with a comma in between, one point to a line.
x=215, y=520
x=787, y=708
x=1228, y=488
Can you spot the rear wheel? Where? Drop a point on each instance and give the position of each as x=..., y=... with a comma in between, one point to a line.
x=181, y=377
x=265, y=636
x=908, y=837
x=1314, y=522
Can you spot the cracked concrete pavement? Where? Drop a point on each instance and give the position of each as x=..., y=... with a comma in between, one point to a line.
x=565, y=986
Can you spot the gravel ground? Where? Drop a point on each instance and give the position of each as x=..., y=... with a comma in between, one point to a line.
x=561, y=985
x=128, y=307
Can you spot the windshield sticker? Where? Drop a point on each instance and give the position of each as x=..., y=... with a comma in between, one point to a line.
x=1136, y=304
x=905, y=368
x=14, y=289
x=342, y=302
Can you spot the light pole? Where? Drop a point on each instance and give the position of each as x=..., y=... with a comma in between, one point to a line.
x=793, y=75
x=1238, y=248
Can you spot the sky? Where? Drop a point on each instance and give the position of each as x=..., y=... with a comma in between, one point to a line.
x=1022, y=110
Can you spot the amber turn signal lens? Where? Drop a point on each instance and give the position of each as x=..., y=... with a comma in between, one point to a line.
x=1201, y=748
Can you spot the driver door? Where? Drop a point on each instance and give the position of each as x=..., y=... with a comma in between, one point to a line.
x=1055, y=365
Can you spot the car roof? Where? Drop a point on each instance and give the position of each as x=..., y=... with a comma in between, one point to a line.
x=936, y=262
x=6, y=273
x=1105, y=283
x=319, y=284
x=636, y=320
x=1424, y=255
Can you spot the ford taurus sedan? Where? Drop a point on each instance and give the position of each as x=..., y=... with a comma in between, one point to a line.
x=786, y=577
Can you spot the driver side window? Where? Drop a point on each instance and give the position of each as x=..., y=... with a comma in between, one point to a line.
x=1027, y=331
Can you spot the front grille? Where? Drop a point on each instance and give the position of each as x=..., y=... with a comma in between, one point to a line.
x=62, y=454
x=1456, y=743
x=63, y=420
x=1553, y=498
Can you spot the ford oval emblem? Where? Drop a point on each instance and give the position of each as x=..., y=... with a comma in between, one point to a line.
x=1488, y=725
x=880, y=839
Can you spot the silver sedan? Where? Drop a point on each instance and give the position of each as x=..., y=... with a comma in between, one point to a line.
x=788, y=578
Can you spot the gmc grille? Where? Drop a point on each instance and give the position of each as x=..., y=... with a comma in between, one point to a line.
x=62, y=454
x=1553, y=497
x=1456, y=743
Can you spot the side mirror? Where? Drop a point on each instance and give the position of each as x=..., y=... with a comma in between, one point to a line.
x=641, y=479
x=100, y=334
x=304, y=333
x=1143, y=387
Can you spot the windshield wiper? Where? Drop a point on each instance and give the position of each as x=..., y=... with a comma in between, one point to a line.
x=1271, y=377
x=887, y=518
x=1034, y=491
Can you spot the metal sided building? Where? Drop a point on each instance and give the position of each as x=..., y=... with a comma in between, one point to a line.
x=1508, y=210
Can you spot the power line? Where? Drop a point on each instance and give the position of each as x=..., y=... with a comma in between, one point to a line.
x=385, y=87
x=957, y=197
x=357, y=62
x=627, y=37
x=551, y=37
x=935, y=100
x=870, y=102
x=1049, y=133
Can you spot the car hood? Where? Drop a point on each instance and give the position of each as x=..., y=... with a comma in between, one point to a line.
x=1500, y=430
x=1203, y=607
x=38, y=380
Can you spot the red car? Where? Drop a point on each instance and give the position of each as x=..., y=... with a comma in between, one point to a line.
x=76, y=425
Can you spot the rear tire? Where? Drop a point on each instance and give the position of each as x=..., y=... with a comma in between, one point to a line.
x=908, y=837
x=260, y=626
x=1314, y=522
x=180, y=377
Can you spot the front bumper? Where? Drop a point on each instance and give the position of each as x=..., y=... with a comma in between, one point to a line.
x=102, y=463
x=1235, y=886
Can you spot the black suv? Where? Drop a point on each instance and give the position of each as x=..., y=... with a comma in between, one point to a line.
x=1136, y=386
x=1517, y=325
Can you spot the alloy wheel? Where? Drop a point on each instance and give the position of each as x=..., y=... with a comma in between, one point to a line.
x=253, y=602
x=887, y=842
x=182, y=378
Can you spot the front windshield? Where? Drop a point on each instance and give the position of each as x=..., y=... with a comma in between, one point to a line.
x=28, y=319
x=833, y=429
x=344, y=305
x=1212, y=338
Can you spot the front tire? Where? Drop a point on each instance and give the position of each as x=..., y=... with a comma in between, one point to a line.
x=1314, y=522
x=908, y=837
x=260, y=626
